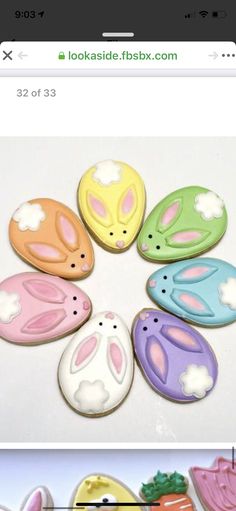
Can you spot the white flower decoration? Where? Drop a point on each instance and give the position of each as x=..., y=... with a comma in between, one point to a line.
x=107, y=172
x=196, y=381
x=209, y=205
x=91, y=396
x=29, y=216
x=227, y=292
x=9, y=306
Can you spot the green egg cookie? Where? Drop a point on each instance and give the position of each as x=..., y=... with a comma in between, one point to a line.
x=184, y=224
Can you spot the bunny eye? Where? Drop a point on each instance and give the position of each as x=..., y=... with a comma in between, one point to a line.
x=100, y=324
x=145, y=328
x=155, y=320
x=74, y=297
x=158, y=247
x=75, y=312
x=111, y=233
x=114, y=326
x=82, y=256
x=165, y=277
x=150, y=236
x=163, y=291
x=124, y=232
x=73, y=265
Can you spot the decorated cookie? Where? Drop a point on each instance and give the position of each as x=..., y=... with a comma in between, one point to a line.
x=201, y=290
x=216, y=486
x=186, y=223
x=111, y=200
x=96, y=369
x=169, y=490
x=103, y=492
x=175, y=359
x=36, y=308
x=37, y=500
x=48, y=235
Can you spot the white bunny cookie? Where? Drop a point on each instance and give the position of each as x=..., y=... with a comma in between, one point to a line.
x=96, y=369
x=37, y=500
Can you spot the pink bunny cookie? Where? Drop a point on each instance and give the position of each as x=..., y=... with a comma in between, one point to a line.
x=37, y=308
x=37, y=500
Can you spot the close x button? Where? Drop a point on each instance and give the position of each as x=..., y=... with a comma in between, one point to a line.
x=7, y=55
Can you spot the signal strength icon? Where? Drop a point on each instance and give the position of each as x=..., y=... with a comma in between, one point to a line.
x=203, y=14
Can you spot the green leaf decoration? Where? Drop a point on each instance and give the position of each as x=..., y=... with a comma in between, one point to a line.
x=164, y=484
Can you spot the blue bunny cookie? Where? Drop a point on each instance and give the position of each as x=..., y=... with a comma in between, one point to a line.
x=201, y=290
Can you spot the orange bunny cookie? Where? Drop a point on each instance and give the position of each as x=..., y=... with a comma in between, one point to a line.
x=51, y=237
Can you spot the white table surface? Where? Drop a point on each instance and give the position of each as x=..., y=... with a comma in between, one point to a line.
x=31, y=406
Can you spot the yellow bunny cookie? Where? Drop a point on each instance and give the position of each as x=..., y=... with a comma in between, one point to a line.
x=111, y=199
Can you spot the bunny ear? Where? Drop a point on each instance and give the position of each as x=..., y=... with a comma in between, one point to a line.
x=194, y=273
x=187, y=238
x=36, y=501
x=181, y=338
x=44, y=322
x=46, y=252
x=116, y=358
x=191, y=303
x=157, y=358
x=44, y=291
x=127, y=205
x=84, y=352
x=169, y=215
x=67, y=232
x=98, y=209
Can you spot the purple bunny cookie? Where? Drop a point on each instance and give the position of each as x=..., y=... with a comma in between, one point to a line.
x=176, y=360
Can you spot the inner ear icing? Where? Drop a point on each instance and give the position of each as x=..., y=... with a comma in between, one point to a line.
x=98, y=209
x=67, y=231
x=188, y=238
x=46, y=252
x=127, y=204
x=169, y=215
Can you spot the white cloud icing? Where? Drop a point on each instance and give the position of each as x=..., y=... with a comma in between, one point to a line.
x=91, y=396
x=209, y=205
x=107, y=172
x=227, y=291
x=9, y=306
x=29, y=216
x=196, y=381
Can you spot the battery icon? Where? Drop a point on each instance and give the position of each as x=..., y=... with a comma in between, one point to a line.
x=219, y=14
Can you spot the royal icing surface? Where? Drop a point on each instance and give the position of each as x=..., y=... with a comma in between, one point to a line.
x=216, y=486
x=111, y=198
x=99, y=488
x=169, y=490
x=36, y=308
x=202, y=291
x=96, y=369
x=186, y=223
x=10, y=306
x=48, y=235
x=209, y=205
x=175, y=359
x=29, y=216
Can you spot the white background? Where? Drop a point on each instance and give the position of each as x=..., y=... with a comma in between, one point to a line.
x=61, y=471
x=119, y=107
x=31, y=406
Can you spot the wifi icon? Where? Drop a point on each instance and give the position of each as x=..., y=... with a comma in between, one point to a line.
x=203, y=14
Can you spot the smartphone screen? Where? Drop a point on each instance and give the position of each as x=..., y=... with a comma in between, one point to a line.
x=118, y=256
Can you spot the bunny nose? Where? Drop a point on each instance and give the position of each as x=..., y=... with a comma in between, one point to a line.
x=85, y=267
x=85, y=306
x=120, y=244
x=152, y=283
x=144, y=247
